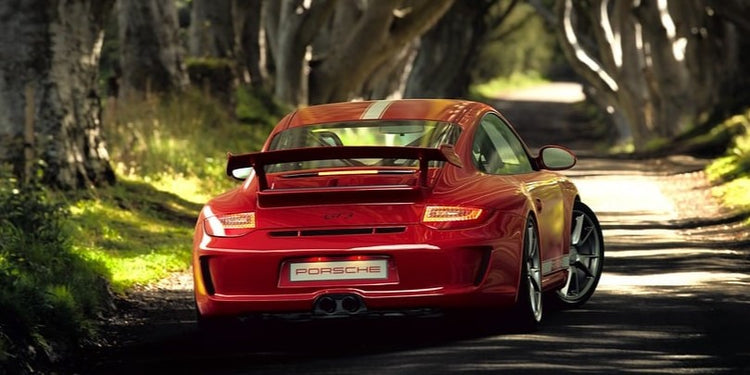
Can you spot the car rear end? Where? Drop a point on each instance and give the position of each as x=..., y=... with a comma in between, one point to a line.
x=350, y=230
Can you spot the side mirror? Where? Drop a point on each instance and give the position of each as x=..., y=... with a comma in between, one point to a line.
x=555, y=158
x=242, y=173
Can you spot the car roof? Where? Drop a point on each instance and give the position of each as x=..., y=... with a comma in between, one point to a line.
x=461, y=112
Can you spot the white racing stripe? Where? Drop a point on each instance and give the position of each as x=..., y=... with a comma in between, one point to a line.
x=376, y=110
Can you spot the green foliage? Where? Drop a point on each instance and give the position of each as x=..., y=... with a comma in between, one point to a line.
x=138, y=232
x=49, y=295
x=520, y=46
x=258, y=106
x=213, y=75
x=170, y=156
x=170, y=140
x=656, y=143
x=498, y=85
x=736, y=163
x=732, y=171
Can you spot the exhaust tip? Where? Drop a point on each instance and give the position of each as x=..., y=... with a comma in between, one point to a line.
x=339, y=305
x=327, y=305
x=350, y=304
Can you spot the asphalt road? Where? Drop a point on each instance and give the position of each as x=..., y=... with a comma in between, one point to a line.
x=673, y=299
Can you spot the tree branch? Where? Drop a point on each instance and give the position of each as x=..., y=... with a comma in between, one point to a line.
x=547, y=14
x=314, y=18
x=497, y=21
x=425, y=14
x=508, y=31
x=581, y=61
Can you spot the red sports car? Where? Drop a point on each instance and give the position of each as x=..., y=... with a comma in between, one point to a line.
x=395, y=207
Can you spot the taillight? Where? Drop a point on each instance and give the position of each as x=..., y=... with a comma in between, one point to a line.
x=231, y=225
x=451, y=217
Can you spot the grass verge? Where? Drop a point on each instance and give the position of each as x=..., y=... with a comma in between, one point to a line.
x=170, y=157
x=50, y=296
x=731, y=172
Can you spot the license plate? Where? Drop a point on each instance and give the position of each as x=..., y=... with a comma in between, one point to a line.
x=339, y=270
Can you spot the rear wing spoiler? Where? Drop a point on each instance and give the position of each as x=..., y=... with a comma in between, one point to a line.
x=258, y=160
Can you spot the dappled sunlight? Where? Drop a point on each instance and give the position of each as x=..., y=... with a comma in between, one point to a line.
x=552, y=92
x=655, y=283
x=650, y=235
x=635, y=194
x=136, y=270
x=658, y=253
x=139, y=240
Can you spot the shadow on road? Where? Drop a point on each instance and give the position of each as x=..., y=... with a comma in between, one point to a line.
x=657, y=331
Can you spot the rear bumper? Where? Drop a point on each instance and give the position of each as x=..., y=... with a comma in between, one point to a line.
x=374, y=303
x=445, y=270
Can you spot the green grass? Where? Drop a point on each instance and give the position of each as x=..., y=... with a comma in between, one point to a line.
x=138, y=232
x=500, y=85
x=731, y=173
x=50, y=296
x=170, y=157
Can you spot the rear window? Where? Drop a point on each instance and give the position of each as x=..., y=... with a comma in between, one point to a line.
x=403, y=133
x=411, y=133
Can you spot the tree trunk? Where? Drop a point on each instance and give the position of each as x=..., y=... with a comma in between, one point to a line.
x=211, y=33
x=48, y=99
x=249, y=52
x=664, y=65
x=389, y=79
x=150, y=52
x=290, y=28
x=381, y=32
x=448, y=51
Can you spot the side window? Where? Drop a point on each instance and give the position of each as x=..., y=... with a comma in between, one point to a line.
x=497, y=150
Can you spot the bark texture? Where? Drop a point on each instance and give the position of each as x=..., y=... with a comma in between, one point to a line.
x=380, y=33
x=451, y=48
x=250, y=51
x=329, y=51
x=211, y=31
x=151, y=57
x=290, y=28
x=48, y=99
x=661, y=66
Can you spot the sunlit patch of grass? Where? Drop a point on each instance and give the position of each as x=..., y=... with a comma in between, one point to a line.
x=170, y=157
x=731, y=172
x=182, y=137
x=503, y=84
x=736, y=163
x=139, y=233
x=627, y=147
x=142, y=269
x=735, y=193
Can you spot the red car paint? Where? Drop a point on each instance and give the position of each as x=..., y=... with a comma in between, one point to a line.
x=358, y=218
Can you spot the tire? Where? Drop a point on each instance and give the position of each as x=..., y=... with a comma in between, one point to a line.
x=527, y=313
x=586, y=259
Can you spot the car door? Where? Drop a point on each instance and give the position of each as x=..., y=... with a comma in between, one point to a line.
x=496, y=150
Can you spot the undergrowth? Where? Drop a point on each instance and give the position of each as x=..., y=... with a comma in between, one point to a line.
x=63, y=254
x=50, y=295
x=138, y=232
x=179, y=143
x=731, y=173
x=170, y=157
